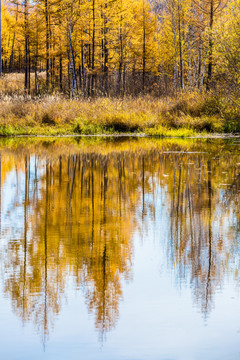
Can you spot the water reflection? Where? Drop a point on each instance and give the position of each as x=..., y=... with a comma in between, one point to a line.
x=70, y=220
x=201, y=232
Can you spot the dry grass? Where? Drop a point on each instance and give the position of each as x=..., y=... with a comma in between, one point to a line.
x=13, y=83
x=185, y=114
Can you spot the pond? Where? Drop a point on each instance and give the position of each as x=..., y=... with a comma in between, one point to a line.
x=119, y=249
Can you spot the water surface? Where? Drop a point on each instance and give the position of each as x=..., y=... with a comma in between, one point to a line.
x=126, y=249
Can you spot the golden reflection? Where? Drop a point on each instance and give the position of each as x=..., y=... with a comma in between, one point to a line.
x=202, y=230
x=79, y=213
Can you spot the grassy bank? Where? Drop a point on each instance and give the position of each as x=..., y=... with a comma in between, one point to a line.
x=186, y=115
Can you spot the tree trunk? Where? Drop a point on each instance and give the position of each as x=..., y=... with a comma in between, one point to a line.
x=181, y=67
x=105, y=53
x=120, y=68
x=93, y=48
x=60, y=73
x=73, y=80
x=47, y=43
x=27, y=74
x=176, y=84
x=144, y=49
x=210, y=64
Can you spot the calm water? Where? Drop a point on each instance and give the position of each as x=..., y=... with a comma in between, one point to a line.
x=120, y=250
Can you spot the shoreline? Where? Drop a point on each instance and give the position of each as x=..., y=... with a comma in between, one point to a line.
x=123, y=135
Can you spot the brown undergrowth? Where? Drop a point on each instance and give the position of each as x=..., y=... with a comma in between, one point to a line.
x=187, y=114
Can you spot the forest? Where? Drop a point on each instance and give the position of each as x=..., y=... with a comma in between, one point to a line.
x=179, y=57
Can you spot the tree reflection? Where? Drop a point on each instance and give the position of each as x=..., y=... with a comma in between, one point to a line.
x=76, y=222
x=201, y=236
x=79, y=214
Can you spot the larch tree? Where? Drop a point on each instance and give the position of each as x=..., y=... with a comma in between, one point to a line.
x=113, y=47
